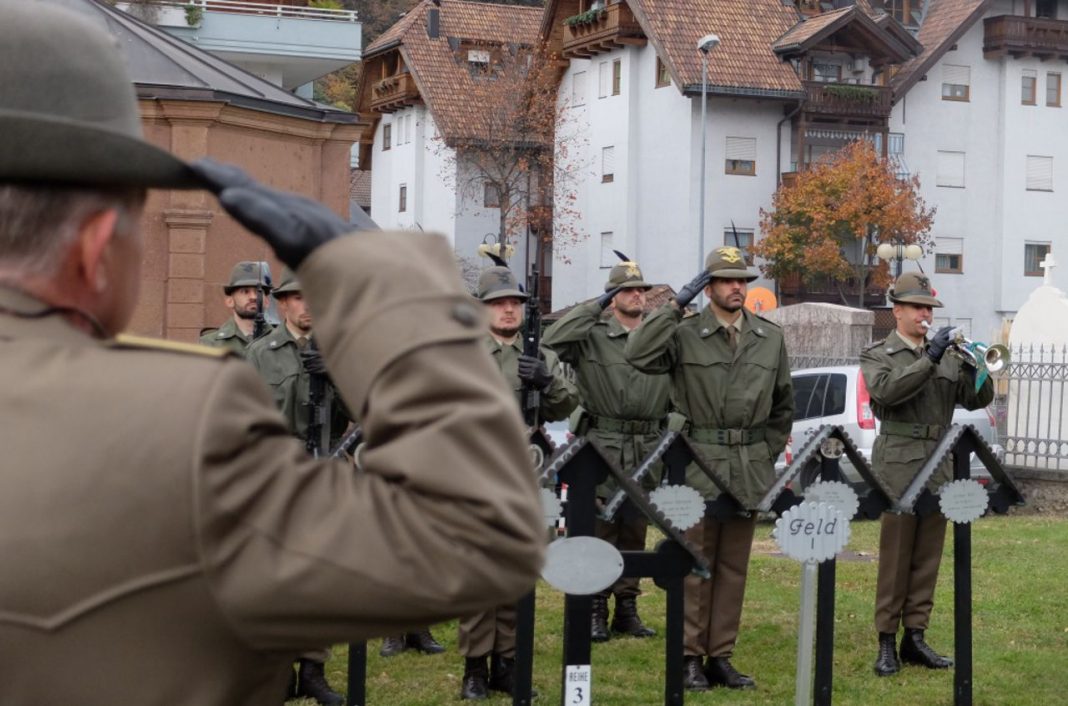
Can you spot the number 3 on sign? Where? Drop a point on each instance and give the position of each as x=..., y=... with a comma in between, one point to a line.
x=577, y=692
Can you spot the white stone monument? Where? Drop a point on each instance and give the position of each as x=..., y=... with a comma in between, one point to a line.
x=1036, y=409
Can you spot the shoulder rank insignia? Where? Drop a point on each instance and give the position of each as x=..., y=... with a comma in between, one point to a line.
x=124, y=340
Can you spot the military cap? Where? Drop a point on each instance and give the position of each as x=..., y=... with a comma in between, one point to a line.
x=245, y=274
x=626, y=275
x=498, y=283
x=913, y=288
x=68, y=111
x=288, y=285
x=728, y=263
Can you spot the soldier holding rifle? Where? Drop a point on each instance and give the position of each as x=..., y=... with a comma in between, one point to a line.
x=914, y=387
x=245, y=290
x=177, y=544
x=731, y=379
x=624, y=410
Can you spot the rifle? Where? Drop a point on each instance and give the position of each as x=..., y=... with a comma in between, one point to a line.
x=260, y=327
x=530, y=400
x=317, y=436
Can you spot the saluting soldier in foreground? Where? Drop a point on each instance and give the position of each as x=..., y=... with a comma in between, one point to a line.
x=491, y=633
x=732, y=382
x=624, y=410
x=914, y=387
x=245, y=292
x=177, y=544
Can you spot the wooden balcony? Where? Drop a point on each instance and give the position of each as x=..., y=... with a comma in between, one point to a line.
x=1025, y=36
x=393, y=93
x=847, y=100
x=794, y=290
x=613, y=26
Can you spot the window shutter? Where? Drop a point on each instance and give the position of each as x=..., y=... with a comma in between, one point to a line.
x=743, y=148
x=604, y=79
x=956, y=75
x=950, y=169
x=1039, y=173
x=608, y=161
x=608, y=258
x=578, y=88
x=950, y=246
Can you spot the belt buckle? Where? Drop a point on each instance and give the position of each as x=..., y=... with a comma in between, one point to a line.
x=735, y=437
x=919, y=431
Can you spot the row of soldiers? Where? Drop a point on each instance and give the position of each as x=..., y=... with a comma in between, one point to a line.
x=723, y=375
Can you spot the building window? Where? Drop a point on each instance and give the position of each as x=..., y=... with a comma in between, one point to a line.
x=608, y=164
x=408, y=120
x=1046, y=9
x=907, y=12
x=491, y=197
x=402, y=198
x=1039, y=173
x=1034, y=254
x=949, y=256
x=387, y=136
x=826, y=73
x=663, y=78
x=956, y=82
x=741, y=156
x=950, y=170
x=744, y=242
x=608, y=257
x=1027, y=86
x=604, y=79
x=617, y=76
x=1053, y=89
x=578, y=88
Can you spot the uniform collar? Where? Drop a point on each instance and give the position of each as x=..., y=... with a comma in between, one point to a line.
x=708, y=324
x=615, y=329
x=493, y=345
x=25, y=316
x=895, y=342
x=280, y=337
x=230, y=330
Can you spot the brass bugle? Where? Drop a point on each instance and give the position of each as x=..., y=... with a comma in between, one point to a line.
x=995, y=357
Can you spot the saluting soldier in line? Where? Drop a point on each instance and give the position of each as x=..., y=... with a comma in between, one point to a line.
x=491, y=633
x=178, y=544
x=914, y=387
x=732, y=382
x=245, y=292
x=624, y=410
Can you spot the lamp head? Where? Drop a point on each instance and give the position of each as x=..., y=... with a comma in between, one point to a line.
x=913, y=251
x=886, y=251
x=707, y=43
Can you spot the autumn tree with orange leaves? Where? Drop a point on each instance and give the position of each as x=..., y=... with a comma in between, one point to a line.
x=829, y=222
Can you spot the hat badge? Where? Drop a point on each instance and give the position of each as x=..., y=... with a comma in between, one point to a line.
x=730, y=254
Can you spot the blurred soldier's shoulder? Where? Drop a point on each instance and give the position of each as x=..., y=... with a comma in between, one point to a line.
x=145, y=343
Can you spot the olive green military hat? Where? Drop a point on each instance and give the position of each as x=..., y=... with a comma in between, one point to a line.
x=728, y=263
x=626, y=275
x=68, y=111
x=288, y=285
x=913, y=288
x=246, y=274
x=498, y=283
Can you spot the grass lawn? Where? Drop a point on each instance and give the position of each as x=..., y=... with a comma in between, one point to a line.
x=1020, y=570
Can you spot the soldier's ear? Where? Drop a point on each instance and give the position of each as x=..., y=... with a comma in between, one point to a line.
x=95, y=236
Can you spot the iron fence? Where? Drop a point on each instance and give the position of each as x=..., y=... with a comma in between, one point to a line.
x=1031, y=406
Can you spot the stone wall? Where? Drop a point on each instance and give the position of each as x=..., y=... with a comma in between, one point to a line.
x=824, y=330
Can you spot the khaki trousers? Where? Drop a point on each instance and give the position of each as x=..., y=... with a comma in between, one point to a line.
x=492, y=630
x=713, y=607
x=625, y=533
x=910, y=550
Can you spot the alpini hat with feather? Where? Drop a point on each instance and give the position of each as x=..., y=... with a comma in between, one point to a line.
x=914, y=288
x=626, y=275
x=68, y=111
x=499, y=281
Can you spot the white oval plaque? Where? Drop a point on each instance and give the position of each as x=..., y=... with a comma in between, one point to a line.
x=681, y=504
x=582, y=566
x=551, y=507
x=834, y=493
x=537, y=456
x=963, y=501
x=811, y=532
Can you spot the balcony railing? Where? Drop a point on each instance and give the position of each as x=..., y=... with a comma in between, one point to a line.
x=393, y=93
x=793, y=290
x=1023, y=36
x=847, y=100
x=601, y=30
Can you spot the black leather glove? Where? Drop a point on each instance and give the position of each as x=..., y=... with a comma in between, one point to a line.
x=312, y=360
x=692, y=289
x=605, y=299
x=535, y=372
x=938, y=344
x=292, y=225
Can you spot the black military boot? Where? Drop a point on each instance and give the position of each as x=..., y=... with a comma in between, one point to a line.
x=914, y=650
x=693, y=677
x=311, y=683
x=886, y=663
x=599, y=619
x=501, y=670
x=423, y=641
x=392, y=646
x=291, y=687
x=474, y=685
x=626, y=618
x=720, y=672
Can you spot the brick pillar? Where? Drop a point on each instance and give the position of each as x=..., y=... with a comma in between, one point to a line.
x=187, y=231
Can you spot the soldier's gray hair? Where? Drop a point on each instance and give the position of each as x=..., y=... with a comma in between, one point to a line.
x=38, y=222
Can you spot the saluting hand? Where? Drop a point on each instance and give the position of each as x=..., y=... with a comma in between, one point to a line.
x=692, y=289
x=534, y=372
x=292, y=225
x=605, y=299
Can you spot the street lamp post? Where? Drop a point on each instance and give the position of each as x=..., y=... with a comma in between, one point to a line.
x=705, y=45
x=899, y=251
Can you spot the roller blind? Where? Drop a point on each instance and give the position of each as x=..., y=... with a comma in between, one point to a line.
x=743, y=148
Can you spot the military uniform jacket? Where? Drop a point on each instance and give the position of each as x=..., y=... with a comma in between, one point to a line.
x=609, y=387
x=555, y=403
x=715, y=389
x=277, y=358
x=227, y=336
x=906, y=386
x=164, y=538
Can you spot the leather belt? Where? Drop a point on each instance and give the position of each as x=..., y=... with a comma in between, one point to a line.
x=912, y=431
x=625, y=426
x=727, y=437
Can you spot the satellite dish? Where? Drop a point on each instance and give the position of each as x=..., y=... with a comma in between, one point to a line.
x=760, y=299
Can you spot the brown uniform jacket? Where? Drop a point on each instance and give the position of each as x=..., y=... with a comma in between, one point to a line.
x=164, y=539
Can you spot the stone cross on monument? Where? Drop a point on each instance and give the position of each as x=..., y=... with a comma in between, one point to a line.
x=1047, y=266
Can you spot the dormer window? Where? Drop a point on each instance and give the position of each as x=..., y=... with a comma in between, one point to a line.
x=826, y=73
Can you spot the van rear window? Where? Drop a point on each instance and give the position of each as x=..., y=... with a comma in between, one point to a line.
x=820, y=395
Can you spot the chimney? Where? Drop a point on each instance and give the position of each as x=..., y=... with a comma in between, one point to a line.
x=433, y=21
